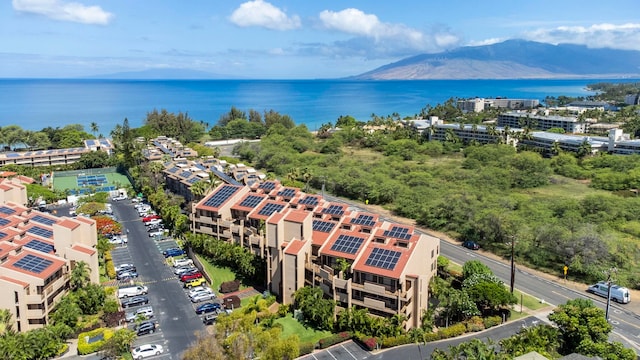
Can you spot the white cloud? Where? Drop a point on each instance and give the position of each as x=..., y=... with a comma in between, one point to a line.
x=388, y=37
x=263, y=14
x=625, y=36
x=64, y=11
x=489, y=41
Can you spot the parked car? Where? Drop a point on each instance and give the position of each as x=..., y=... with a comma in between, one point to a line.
x=146, y=350
x=190, y=276
x=173, y=252
x=129, y=291
x=195, y=282
x=135, y=301
x=208, y=308
x=472, y=245
x=150, y=217
x=147, y=327
x=122, y=267
x=198, y=289
x=182, y=262
x=201, y=292
x=127, y=275
x=119, y=197
x=209, y=319
x=203, y=297
x=184, y=269
x=153, y=222
x=159, y=233
x=145, y=313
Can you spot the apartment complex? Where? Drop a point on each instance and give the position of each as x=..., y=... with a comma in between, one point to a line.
x=303, y=238
x=481, y=104
x=435, y=129
x=38, y=251
x=56, y=156
x=516, y=119
x=163, y=146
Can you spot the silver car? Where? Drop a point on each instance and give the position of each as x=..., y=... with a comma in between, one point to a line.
x=204, y=296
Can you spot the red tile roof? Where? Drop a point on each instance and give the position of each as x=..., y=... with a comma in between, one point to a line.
x=298, y=216
x=69, y=224
x=56, y=263
x=84, y=249
x=294, y=247
x=15, y=281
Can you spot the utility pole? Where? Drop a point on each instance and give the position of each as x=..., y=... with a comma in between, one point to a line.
x=609, y=274
x=513, y=263
x=324, y=179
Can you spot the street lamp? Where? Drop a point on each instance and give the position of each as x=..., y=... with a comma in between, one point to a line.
x=609, y=274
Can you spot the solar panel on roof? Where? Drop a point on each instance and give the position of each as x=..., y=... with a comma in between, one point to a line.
x=32, y=263
x=7, y=210
x=3, y=235
x=383, y=258
x=37, y=230
x=43, y=220
x=309, y=200
x=287, y=193
x=324, y=226
x=40, y=246
x=270, y=208
x=365, y=220
x=398, y=233
x=10, y=155
x=334, y=210
x=347, y=244
x=4, y=222
x=220, y=196
x=267, y=185
x=251, y=201
x=193, y=180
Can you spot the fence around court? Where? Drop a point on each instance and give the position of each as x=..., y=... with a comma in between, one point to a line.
x=71, y=180
x=101, y=171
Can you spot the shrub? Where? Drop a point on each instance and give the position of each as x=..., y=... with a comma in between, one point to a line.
x=368, y=342
x=230, y=286
x=306, y=348
x=492, y=321
x=85, y=348
x=63, y=349
x=453, y=331
x=475, y=324
x=395, y=341
x=334, y=339
x=110, y=268
x=428, y=337
x=284, y=309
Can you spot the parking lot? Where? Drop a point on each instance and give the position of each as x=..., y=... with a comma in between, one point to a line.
x=345, y=351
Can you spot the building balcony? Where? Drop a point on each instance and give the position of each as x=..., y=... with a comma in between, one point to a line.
x=373, y=304
x=340, y=283
x=255, y=240
x=236, y=229
x=35, y=313
x=33, y=298
x=205, y=220
x=375, y=289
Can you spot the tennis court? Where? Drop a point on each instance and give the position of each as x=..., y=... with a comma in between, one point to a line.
x=80, y=182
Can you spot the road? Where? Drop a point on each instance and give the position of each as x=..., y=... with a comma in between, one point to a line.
x=625, y=321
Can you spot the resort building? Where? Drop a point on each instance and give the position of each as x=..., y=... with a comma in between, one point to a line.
x=38, y=251
x=545, y=142
x=515, y=119
x=435, y=129
x=356, y=258
x=165, y=147
x=55, y=157
x=481, y=104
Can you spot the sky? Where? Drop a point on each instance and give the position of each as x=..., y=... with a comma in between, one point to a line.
x=284, y=39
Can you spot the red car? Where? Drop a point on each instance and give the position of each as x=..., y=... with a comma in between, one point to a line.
x=150, y=217
x=190, y=276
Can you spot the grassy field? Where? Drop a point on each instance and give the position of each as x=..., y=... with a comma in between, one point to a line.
x=218, y=274
x=565, y=188
x=291, y=326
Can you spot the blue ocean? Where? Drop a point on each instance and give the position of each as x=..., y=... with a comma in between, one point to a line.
x=37, y=103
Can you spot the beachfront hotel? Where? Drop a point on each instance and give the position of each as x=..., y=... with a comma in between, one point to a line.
x=38, y=251
x=55, y=157
x=303, y=238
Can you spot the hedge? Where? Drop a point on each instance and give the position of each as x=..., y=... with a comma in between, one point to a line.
x=492, y=321
x=476, y=323
x=306, y=348
x=453, y=331
x=84, y=348
x=108, y=263
x=395, y=341
x=334, y=339
x=370, y=343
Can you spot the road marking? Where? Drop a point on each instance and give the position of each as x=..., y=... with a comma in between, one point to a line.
x=564, y=296
x=329, y=352
x=354, y=358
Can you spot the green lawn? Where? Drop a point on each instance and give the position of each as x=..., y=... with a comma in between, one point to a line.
x=291, y=326
x=528, y=301
x=218, y=274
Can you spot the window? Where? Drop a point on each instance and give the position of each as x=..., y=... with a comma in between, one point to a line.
x=35, y=306
x=15, y=295
x=432, y=253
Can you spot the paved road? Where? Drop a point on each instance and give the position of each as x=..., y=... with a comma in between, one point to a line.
x=626, y=322
x=174, y=312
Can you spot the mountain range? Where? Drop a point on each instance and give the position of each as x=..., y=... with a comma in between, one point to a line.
x=513, y=59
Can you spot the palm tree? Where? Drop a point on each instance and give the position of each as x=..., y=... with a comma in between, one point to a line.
x=307, y=176
x=6, y=324
x=199, y=189
x=94, y=128
x=80, y=275
x=555, y=148
x=214, y=181
x=584, y=149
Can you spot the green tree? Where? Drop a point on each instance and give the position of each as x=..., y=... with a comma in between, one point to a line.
x=473, y=267
x=118, y=344
x=543, y=339
x=90, y=298
x=318, y=312
x=66, y=312
x=80, y=275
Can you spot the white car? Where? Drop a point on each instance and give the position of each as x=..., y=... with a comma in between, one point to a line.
x=123, y=266
x=203, y=296
x=198, y=289
x=119, y=197
x=182, y=262
x=156, y=233
x=146, y=350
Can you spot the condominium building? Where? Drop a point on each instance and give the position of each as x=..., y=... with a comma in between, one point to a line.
x=56, y=156
x=306, y=240
x=481, y=104
x=515, y=119
x=435, y=129
x=163, y=146
x=38, y=251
